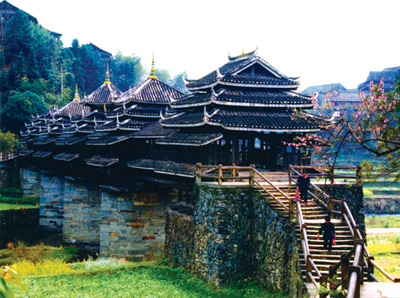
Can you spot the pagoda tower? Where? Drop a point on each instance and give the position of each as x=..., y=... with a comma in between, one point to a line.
x=243, y=112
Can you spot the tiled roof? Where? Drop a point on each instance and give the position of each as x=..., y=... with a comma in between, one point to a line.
x=87, y=128
x=164, y=167
x=25, y=152
x=98, y=161
x=231, y=73
x=195, y=139
x=262, y=121
x=108, y=126
x=95, y=115
x=194, y=99
x=133, y=125
x=145, y=111
x=245, y=97
x=97, y=135
x=66, y=156
x=185, y=119
x=41, y=154
x=151, y=91
x=107, y=140
x=153, y=130
x=74, y=108
x=45, y=141
x=249, y=120
x=105, y=94
x=68, y=141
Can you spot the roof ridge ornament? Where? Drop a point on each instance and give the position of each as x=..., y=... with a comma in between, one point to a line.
x=171, y=99
x=107, y=80
x=219, y=75
x=153, y=69
x=77, y=98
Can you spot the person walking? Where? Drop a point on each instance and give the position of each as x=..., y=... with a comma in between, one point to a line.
x=303, y=182
x=329, y=233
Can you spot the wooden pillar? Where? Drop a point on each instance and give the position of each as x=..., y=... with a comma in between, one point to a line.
x=235, y=155
x=251, y=159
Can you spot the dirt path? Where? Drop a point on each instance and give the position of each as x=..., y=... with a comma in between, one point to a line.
x=383, y=231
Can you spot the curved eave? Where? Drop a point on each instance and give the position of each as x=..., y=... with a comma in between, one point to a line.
x=86, y=131
x=190, y=144
x=265, y=130
x=115, y=116
x=130, y=128
x=190, y=105
x=161, y=103
x=145, y=116
x=294, y=86
x=261, y=105
x=183, y=125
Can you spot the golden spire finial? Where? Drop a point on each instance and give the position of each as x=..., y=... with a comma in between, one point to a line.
x=107, y=81
x=77, y=94
x=153, y=69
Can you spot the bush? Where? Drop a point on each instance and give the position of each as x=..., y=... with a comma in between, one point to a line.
x=11, y=192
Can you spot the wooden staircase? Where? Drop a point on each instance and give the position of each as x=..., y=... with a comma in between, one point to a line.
x=314, y=216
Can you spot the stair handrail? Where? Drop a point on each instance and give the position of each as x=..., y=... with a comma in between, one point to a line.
x=368, y=259
x=310, y=265
x=253, y=180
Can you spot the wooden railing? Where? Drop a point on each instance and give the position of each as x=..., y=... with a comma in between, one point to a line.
x=329, y=173
x=310, y=265
x=351, y=275
x=8, y=155
x=239, y=173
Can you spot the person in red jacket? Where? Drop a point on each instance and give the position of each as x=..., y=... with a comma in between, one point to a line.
x=329, y=233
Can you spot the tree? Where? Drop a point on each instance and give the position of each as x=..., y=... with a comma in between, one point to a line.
x=8, y=142
x=373, y=128
x=19, y=108
x=126, y=71
x=178, y=82
x=163, y=76
x=18, y=37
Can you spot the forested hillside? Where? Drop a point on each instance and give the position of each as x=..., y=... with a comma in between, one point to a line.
x=37, y=72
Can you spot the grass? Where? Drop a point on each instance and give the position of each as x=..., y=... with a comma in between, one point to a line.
x=11, y=203
x=116, y=278
x=13, y=200
x=4, y=206
x=19, y=252
x=389, y=221
x=386, y=251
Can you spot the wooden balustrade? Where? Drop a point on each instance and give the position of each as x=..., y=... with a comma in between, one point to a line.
x=9, y=155
x=351, y=274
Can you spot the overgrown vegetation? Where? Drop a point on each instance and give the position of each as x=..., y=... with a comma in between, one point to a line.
x=19, y=252
x=386, y=251
x=382, y=221
x=9, y=203
x=118, y=278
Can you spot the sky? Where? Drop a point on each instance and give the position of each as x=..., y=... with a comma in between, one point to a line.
x=321, y=41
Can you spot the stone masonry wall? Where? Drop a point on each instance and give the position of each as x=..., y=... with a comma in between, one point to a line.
x=353, y=193
x=133, y=225
x=30, y=183
x=234, y=234
x=274, y=251
x=51, y=203
x=82, y=216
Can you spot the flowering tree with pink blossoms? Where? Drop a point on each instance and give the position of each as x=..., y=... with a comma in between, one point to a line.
x=374, y=127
